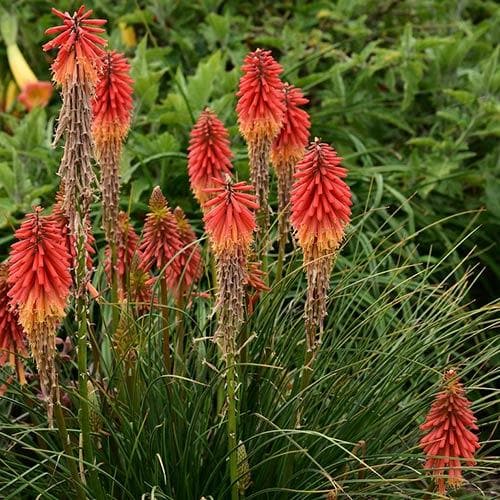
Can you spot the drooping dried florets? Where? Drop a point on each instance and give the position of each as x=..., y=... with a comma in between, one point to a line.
x=450, y=440
x=209, y=154
x=321, y=203
x=40, y=281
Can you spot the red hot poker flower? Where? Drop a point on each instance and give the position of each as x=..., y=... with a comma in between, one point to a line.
x=289, y=146
x=229, y=216
x=161, y=244
x=321, y=201
x=40, y=282
x=112, y=104
x=80, y=47
x=209, y=154
x=12, y=336
x=450, y=439
x=190, y=256
x=260, y=106
x=112, y=113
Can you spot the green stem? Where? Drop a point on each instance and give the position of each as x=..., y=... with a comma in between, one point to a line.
x=165, y=325
x=281, y=257
x=180, y=362
x=63, y=434
x=115, y=317
x=232, y=424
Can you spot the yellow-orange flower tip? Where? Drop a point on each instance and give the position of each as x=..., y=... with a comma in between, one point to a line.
x=209, y=154
x=112, y=104
x=289, y=146
x=39, y=275
x=320, y=201
x=450, y=440
x=80, y=47
x=260, y=105
x=12, y=336
x=190, y=256
x=161, y=244
x=230, y=215
x=36, y=94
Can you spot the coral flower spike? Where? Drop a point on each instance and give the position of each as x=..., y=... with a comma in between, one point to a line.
x=12, y=336
x=209, y=154
x=321, y=203
x=112, y=113
x=260, y=111
x=40, y=282
x=80, y=46
x=230, y=223
x=161, y=245
x=288, y=149
x=450, y=439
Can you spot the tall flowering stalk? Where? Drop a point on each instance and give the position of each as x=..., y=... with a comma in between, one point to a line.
x=161, y=248
x=209, y=154
x=76, y=69
x=12, y=336
x=287, y=150
x=230, y=223
x=449, y=440
x=321, y=203
x=112, y=112
x=40, y=281
x=260, y=111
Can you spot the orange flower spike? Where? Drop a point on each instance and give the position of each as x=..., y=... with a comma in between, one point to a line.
x=80, y=47
x=290, y=144
x=321, y=201
x=36, y=94
x=161, y=244
x=40, y=282
x=112, y=105
x=287, y=150
x=260, y=112
x=260, y=106
x=230, y=223
x=209, y=154
x=112, y=113
x=12, y=336
x=190, y=257
x=450, y=439
x=229, y=216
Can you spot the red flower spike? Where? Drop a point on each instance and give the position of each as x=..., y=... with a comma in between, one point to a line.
x=161, y=244
x=112, y=104
x=40, y=282
x=289, y=146
x=12, y=336
x=321, y=201
x=190, y=256
x=450, y=439
x=127, y=248
x=260, y=105
x=209, y=154
x=230, y=216
x=80, y=47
